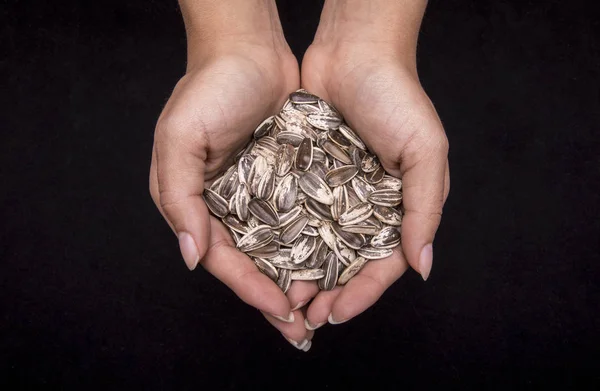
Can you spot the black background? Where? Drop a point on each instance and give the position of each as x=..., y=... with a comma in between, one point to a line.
x=95, y=293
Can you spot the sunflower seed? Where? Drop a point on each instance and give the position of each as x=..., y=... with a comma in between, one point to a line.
x=292, y=115
x=362, y=228
x=330, y=266
x=307, y=274
x=285, y=193
x=352, y=197
x=336, y=152
x=327, y=234
x=345, y=254
x=318, y=168
x=313, y=221
x=217, y=204
x=303, y=97
x=340, y=202
x=232, y=202
x=370, y=163
x=287, y=137
x=338, y=138
x=319, y=210
x=354, y=241
x=235, y=224
x=230, y=183
x=302, y=248
x=374, y=253
x=216, y=183
x=286, y=217
x=284, y=159
x=280, y=122
x=357, y=155
x=253, y=222
x=356, y=214
x=308, y=108
x=244, y=168
x=310, y=231
x=321, y=139
x=269, y=251
x=304, y=154
x=390, y=183
x=283, y=260
x=263, y=129
x=388, y=215
x=385, y=197
x=319, y=155
x=266, y=268
x=285, y=280
x=351, y=270
x=375, y=176
x=255, y=238
x=389, y=237
x=324, y=121
x=318, y=255
x=293, y=229
x=258, y=169
x=266, y=184
x=316, y=188
x=241, y=201
x=329, y=109
x=362, y=188
x=264, y=212
x=341, y=175
x=352, y=136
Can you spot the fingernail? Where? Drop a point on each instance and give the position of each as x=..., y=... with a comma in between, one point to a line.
x=299, y=305
x=308, y=326
x=290, y=319
x=297, y=345
x=307, y=347
x=332, y=321
x=425, y=261
x=189, y=250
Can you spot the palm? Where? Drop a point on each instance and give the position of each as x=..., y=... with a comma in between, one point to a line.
x=383, y=101
x=385, y=104
x=225, y=100
x=208, y=119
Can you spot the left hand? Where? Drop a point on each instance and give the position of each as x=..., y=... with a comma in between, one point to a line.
x=379, y=94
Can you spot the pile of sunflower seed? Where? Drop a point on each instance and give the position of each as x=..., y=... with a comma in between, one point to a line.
x=306, y=199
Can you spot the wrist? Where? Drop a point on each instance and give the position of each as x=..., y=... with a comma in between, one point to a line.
x=357, y=27
x=215, y=28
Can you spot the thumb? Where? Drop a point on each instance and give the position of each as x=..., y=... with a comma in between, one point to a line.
x=180, y=163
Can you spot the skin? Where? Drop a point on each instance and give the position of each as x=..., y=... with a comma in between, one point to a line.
x=363, y=61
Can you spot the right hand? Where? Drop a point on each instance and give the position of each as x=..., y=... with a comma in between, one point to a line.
x=208, y=119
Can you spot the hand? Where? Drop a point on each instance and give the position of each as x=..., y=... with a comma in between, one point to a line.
x=209, y=117
x=375, y=86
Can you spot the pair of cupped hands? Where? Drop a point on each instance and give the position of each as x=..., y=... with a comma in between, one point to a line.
x=211, y=116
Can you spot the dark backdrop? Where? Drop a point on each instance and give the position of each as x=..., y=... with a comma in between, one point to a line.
x=96, y=295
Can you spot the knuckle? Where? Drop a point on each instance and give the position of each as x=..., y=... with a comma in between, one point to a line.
x=169, y=200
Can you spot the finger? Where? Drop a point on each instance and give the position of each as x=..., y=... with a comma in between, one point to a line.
x=154, y=189
x=365, y=288
x=180, y=161
x=423, y=171
x=240, y=274
x=301, y=292
x=319, y=309
x=295, y=333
